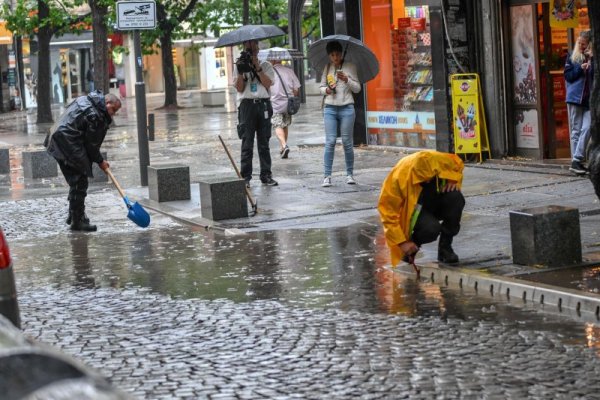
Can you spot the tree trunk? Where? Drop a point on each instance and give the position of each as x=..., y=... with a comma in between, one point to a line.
x=594, y=157
x=246, y=12
x=44, y=95
x=100, y=46
x=168, y=71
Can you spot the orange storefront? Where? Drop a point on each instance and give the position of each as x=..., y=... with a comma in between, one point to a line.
x=400, y=109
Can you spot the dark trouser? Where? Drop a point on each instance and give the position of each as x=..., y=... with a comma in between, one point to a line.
x=78, y=185
x=251, y=120
x=446, y=207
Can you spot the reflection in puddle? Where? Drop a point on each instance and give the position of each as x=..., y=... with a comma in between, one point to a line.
x=342, y=268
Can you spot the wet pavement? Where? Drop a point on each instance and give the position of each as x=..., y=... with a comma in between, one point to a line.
x=298, y=301
x=174, y=312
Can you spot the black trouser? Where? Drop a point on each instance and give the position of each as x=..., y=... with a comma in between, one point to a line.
x=446, y=207
x=254, y=117
x=78, y=185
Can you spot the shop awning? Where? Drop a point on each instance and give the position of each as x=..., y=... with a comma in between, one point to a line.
x=73, y=41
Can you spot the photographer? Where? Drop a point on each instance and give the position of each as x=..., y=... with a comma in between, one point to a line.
x=254, y=111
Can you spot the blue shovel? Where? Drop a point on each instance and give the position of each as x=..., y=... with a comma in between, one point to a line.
x=136, y=212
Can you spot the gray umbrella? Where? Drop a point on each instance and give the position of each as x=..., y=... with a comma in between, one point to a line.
x=355, y=51
x=248, y=32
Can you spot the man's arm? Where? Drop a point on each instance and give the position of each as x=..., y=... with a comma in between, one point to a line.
x=240, y=83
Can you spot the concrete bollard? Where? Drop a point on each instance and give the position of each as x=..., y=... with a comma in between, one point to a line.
x=4, y=161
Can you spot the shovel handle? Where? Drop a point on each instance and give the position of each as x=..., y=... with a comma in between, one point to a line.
x=237, y=171
x=114, y=180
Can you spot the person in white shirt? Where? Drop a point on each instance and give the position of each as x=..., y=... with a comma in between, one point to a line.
x=279, y=99
x=254, y=112
x=337, y=85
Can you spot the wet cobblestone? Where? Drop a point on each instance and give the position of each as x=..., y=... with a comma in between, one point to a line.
x=156, y=347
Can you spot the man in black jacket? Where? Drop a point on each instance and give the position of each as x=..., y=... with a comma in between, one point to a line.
x=75, y=144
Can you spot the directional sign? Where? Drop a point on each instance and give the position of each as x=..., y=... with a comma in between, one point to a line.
x=133, y=15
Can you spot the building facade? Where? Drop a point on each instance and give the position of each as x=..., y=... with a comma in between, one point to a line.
x=517, y=48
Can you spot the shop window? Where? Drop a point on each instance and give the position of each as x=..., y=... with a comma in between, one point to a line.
x=400, y=108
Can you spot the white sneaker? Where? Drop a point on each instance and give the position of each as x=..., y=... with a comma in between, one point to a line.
x=350, y=180
x=326, y=181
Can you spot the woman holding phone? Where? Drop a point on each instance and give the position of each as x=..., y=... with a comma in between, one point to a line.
x=337, y=85
x=579, y=73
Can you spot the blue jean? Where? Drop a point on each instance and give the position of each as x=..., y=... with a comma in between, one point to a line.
x=580, y=120
x=344, y=117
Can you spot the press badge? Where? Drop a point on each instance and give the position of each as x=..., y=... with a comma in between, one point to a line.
x=253, y=87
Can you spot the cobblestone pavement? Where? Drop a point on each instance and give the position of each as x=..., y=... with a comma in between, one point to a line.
x=161, y=348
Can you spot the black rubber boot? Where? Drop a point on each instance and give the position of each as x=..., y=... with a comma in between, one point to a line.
x=81, y=223
x=446, y=254
x=70, y=219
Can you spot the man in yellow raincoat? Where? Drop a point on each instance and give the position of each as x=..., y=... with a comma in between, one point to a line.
x=421, y=190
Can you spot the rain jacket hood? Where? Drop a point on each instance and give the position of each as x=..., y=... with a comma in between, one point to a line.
x=402, y=187
x=77, y=136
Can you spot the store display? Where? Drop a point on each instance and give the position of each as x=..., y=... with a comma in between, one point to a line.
x=419, y=77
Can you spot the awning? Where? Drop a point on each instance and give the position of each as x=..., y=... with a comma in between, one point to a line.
x=73, y=41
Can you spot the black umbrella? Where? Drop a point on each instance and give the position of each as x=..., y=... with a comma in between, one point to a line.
x=355, y=51
x=248, y=32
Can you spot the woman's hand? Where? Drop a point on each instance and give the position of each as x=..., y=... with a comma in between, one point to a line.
x=409, y=248
x=450, y=186
x=341, y=75
x=104, y=165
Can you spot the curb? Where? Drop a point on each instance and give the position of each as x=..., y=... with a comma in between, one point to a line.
x=551, y=298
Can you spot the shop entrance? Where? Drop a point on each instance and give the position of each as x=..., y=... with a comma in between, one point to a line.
x=539, y=52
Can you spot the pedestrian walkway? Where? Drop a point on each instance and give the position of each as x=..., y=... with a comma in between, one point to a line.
x=189, y=136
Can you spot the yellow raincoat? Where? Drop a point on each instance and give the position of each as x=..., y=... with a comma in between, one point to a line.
x=401, y=189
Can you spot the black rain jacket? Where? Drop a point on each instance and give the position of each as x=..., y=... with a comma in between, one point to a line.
x=77, y=136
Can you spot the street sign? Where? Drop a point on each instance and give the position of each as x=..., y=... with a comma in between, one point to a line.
x=132, y=15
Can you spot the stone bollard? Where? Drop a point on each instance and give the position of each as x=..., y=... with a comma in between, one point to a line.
x=223, y=198
x=39, y=164
x=212, y=98
x=169, y=182
x=546, y=235
x=4, y=161
x=99, y=175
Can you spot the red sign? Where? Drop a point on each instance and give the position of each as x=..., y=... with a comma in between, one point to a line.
x=403, y=23
x=418, y=24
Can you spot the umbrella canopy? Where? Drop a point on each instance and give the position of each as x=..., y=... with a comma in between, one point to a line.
x=279, y=54
x=355, y=51
x=248, y=32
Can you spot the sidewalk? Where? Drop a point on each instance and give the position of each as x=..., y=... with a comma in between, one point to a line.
x=189, y=136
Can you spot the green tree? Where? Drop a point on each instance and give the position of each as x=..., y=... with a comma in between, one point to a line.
x=175, y=19
x=44, y=18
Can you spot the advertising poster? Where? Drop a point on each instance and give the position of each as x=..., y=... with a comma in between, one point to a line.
x=404, y=121
x=563, y=14
x=527, y=129
x=523, y=49
x=465, y=111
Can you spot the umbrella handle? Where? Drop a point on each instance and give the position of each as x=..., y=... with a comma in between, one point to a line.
x=114, y=180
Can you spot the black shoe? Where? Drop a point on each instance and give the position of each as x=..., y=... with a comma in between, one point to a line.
x=578, y=168
x=285, y=152
x=447, y=255
x=269, y=181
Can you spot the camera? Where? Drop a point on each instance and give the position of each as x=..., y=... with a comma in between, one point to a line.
x=244, y=62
